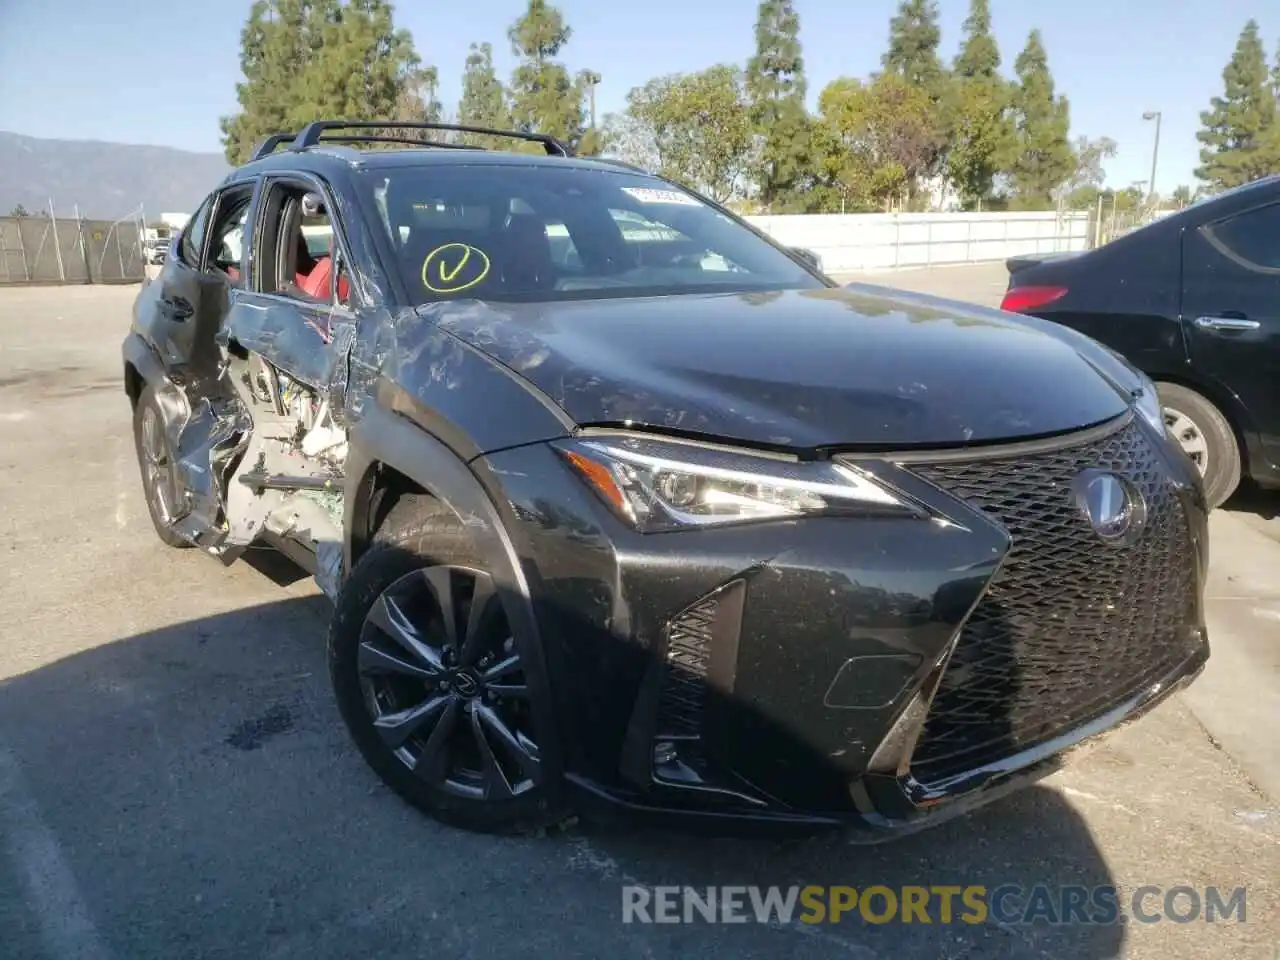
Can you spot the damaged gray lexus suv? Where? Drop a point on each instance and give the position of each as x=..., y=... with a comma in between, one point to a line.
x=622, y=506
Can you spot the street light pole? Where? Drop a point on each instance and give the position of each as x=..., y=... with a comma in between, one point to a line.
x=1155, y=150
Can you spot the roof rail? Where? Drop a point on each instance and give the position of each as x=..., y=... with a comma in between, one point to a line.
x=409, y=141
x=622, y=163
x=267, y=145
x=313, y=134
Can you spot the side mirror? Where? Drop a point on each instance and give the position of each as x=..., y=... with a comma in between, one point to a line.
x=808, y=256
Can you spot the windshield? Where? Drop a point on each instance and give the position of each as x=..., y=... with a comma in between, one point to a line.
x=508, y=232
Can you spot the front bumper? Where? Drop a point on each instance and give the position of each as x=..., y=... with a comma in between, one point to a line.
x=886, y=673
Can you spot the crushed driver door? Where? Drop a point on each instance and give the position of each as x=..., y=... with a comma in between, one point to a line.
x=183, y=313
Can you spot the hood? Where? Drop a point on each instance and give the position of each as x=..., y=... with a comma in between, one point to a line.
x=842, y=367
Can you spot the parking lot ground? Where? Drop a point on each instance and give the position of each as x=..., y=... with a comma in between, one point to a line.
x=175, y=781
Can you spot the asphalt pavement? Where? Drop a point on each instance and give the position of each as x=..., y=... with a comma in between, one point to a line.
x=175, y=781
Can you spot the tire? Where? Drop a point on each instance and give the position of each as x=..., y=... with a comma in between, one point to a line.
x=1205, y=435
x=144, y=408
x=418, y=534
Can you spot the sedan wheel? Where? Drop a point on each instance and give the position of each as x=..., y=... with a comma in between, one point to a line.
x=1184, y=430
x=1205, y=436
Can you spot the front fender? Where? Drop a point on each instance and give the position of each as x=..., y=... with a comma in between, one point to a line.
x=383, y=437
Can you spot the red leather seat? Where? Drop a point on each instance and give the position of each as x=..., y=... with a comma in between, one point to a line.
x=316, y=283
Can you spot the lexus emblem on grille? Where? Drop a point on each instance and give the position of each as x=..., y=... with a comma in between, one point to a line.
x=1114, y=507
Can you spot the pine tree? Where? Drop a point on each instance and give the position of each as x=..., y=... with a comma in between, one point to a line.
x=304, y=60
x=914, y=36
x=1275, y=75
x=484, y=101
x=362, y=66
x=979, y=55
x=1043, y=158
x=1240, y=133
x=273, y=53
x=544, y=98
x=978, y=130
x=776, y=88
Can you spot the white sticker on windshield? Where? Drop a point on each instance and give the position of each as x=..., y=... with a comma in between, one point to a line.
x=649, y=195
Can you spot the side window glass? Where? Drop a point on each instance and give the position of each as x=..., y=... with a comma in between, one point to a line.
x=193, y=234
x=299, y=252
x=1252, y=238
x=227, y=240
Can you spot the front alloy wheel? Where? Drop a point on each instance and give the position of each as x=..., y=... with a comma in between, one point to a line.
x=445, y=687
x=433, y=686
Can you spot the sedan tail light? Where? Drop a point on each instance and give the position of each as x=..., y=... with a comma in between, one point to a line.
x=1026, y=299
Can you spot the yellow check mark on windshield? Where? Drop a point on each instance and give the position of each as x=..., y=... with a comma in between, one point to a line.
x=470, y=269
x=447, y=276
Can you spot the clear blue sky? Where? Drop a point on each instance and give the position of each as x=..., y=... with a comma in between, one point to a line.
x=163, y=71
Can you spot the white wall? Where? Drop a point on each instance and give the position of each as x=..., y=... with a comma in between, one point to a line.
x=848, y=243
x=175, y=221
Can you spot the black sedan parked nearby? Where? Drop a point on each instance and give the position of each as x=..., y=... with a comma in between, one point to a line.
x=622, y=503
x=1192, y=300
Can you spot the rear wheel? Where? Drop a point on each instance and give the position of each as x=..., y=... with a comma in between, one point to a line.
x=160, y=482
x=1205, y=437
x=430, y=681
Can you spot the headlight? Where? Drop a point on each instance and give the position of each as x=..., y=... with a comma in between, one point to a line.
x=658, y=485
x=1147, y=402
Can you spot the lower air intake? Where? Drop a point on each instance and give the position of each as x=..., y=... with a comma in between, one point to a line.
x=684, y=687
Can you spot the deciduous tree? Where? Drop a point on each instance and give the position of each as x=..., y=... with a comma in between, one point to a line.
x=878, y=138
x=697, y=128
x=1239, y=132
x=1089, y=156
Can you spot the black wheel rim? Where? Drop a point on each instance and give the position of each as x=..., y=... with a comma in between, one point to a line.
x=156, y=466
x=446, y=687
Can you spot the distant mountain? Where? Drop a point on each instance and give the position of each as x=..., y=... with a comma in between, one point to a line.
x=106, y=180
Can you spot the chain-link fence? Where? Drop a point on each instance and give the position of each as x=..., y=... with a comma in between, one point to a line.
x=1106, y=223
x=53, y=249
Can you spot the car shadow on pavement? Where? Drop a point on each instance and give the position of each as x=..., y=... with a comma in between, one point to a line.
x=192, y=791
x=1250, y=498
